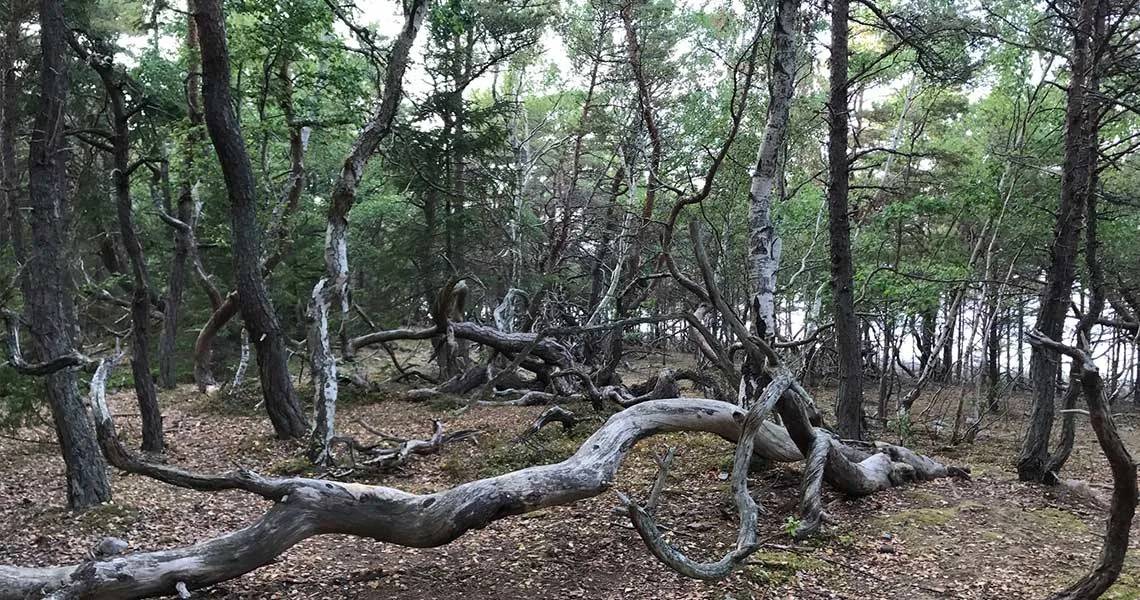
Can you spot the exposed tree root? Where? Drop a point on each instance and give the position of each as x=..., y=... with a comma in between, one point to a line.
x=306, y=507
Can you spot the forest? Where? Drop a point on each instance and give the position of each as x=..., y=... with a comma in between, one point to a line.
x=570, y=298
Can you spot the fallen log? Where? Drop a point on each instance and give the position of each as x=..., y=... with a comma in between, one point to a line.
x=306, y=507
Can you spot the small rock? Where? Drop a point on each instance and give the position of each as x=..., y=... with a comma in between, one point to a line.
x=110, y=546
x=886, y=549
x=887, y=536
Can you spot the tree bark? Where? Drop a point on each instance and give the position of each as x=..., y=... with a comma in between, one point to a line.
x=335, y=282
x=253, y=299
x=1125, y=494
x=993, y=354
x=204, y=345
x=849, y=407
x=121, y=172
x=46, y=289
x=764, y=241
x=184, y=242
x=1060, y=273
x=9, y=107
x=9, y=208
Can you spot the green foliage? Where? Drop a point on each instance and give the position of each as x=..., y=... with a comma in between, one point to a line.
x=20, y=398
x=902, y=427
x=791, y=524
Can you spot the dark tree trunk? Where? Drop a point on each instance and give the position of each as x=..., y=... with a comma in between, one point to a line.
x=140, y=291
x=1060, y=273
x=256, y=309
x=7, y=141
x=946, y=370
x=9, y=108
x=140, y=297
x=204, y=345
x=928, y=320
x=1086, y=380
x=886, y=370
x=1136, y=375
x=186, y=215
x=993, y=353
x=46, y=291
x=168, y=342
x=849, y=407
x=183, y=238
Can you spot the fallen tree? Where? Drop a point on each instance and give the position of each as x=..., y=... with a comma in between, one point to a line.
x=304, y=507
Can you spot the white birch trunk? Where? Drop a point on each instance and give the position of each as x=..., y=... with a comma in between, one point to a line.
x=764, y=242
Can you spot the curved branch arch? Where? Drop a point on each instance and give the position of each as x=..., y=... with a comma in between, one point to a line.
x=306, y=507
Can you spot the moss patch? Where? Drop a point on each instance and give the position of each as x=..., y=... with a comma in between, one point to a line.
x=508, y=456
x=109, y=517
x=776, y=568
x=292, y=466
x=1127, y=587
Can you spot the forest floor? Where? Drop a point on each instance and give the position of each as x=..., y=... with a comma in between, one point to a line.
x=991, y=537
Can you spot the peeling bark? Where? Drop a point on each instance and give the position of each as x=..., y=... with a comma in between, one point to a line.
x=243, y=363
x=335, y=282
x=764, y=241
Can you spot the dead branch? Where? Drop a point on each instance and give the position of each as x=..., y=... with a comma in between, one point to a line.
x=16, y=358
x=306, y=507
x=386, y=458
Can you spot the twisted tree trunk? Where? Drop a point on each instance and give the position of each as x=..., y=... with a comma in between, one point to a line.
x=335, y=282
x=253, y=300
x=1077, y=173
x=185, y=246
x=121, y=171
x=765, y=244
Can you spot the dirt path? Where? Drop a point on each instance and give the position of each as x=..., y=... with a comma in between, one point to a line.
x=987, y=538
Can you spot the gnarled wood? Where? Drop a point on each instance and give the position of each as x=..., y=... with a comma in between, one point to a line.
x=306, y=507
x=1125, y=494
x=225, y=132
x=204, y=345
x=335, y=282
